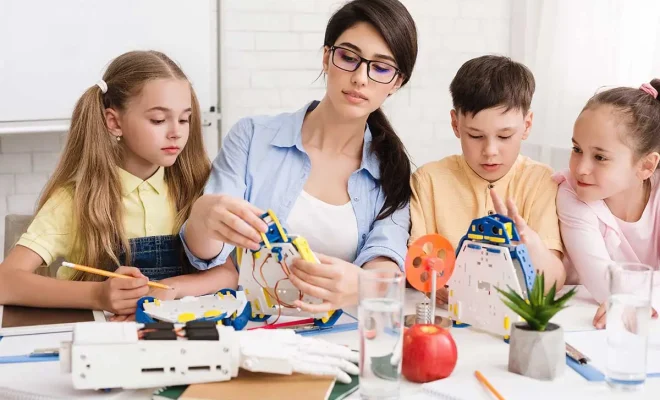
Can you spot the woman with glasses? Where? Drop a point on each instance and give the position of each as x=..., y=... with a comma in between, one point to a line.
x=334, y=171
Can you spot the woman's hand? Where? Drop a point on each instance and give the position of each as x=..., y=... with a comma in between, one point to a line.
x=120, y=295
x=229, y=220
x=333, y=280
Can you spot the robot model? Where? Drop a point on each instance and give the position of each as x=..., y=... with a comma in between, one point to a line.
x=264, y=275
x=265, y=289
x=129, y=355
x=486, y=257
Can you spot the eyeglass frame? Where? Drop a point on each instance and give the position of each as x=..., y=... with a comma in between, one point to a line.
x=363, y=60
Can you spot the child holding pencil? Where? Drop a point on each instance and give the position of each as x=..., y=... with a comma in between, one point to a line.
x=133, y=164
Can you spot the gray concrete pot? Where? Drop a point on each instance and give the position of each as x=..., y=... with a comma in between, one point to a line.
x=538, y=355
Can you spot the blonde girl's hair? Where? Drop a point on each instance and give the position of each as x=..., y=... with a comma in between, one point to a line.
x=91, y=157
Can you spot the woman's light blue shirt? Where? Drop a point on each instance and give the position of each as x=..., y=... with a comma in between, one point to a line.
x=263, y=161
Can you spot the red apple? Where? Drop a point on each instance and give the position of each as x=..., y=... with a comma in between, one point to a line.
x=429, y=353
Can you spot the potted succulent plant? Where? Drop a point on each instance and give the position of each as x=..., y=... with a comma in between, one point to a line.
x=536, y=346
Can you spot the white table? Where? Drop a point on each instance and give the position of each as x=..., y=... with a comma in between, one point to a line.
x=476, y=350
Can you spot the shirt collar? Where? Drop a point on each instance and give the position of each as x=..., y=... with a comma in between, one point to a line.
x=289, y=134
x=478, y=181
x=130, y=182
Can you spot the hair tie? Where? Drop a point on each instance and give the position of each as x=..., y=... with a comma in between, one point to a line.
x=102, y=85
x=649, y=89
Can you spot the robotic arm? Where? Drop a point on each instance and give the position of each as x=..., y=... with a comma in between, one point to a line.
x=130, y=355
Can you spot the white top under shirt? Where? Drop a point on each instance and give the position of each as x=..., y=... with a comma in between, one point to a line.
x=329, y=229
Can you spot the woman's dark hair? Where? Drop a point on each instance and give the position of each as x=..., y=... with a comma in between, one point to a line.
x=640, y=112
x=393, y=21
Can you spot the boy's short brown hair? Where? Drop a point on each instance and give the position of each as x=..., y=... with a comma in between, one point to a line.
x=492, y=81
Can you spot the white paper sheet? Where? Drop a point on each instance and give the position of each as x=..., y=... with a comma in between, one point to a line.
x=593, y=344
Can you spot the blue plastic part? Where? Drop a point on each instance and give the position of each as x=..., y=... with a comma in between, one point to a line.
x=493, y=250
x=240, y=321
x=474, y=246
x=273, y=234
x=331, y=321
x=506, y=340
x=140, y=316
x=277, y=253
x=493, y=226
x=519, y=253
x=461, y=325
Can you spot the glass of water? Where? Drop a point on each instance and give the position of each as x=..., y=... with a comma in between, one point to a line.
x=380, y=321
x=628, y=318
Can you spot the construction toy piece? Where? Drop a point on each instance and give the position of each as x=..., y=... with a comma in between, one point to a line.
x=487, y=257
x=128, y=355
x=426, y=253
x=264, y=275
x=226, y=306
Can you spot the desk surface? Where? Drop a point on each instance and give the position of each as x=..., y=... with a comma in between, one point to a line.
x=476, y=350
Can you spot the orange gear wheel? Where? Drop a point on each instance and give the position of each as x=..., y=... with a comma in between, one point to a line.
x=429, y=252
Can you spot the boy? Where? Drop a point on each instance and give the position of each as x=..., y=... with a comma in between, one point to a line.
x=491, y=97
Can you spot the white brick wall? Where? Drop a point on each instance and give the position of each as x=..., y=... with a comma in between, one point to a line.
x=271, y=66
x=270, y=61
x=26, y=162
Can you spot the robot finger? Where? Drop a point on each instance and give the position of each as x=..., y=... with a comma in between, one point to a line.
x=321, y=370
x=344, y=365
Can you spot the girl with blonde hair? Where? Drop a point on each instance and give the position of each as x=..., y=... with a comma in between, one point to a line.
x=133, y=164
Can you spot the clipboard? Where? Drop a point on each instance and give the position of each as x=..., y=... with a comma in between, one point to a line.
x=19, y=320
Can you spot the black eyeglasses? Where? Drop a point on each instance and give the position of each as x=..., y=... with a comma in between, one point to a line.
x=350, y=61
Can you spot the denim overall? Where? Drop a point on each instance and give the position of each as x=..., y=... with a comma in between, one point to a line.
x=159, y=257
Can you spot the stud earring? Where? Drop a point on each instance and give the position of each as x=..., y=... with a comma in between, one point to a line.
x=119, y=138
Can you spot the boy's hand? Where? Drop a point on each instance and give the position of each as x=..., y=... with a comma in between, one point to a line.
x=527, y=235
x=442, y=296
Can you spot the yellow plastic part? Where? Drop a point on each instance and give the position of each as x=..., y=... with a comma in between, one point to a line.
x=451, y=293
x=303, y=248
x=239, y=256
x=278, y=225
x=266, y=242
x=475, y=237
x=257, y=254
x=327, y=317
x=186, y=317
x=506, y=337
x=220, y=295
x=495, y=239
x=456, y=309
x=247, y=291
x=269, y=302
x=212, y=313
x=508, y=227
x=257, y=306
x=507, y=323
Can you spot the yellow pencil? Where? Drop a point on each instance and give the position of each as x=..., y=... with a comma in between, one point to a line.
x=109, y=274
x=490, y=387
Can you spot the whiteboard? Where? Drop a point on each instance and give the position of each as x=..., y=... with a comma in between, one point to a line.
x=52, y=51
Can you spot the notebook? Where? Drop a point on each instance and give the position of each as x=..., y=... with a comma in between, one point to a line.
x=254, y=386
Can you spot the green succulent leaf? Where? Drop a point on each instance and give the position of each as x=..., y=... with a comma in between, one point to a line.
x=540, y=307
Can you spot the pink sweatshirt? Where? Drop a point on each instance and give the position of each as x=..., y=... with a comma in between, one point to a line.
x=593, y=236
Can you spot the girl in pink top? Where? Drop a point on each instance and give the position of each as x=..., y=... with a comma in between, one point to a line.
x=609, y=201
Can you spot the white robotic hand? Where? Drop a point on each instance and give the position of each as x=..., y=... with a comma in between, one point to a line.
x=282, y=351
